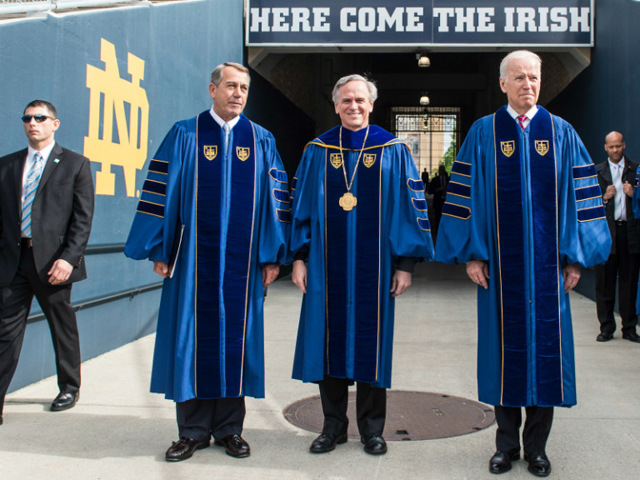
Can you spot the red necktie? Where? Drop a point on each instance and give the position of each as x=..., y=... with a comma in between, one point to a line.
x=521, y=120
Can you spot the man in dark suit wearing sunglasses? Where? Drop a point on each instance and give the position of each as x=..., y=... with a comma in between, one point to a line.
x=46, y=209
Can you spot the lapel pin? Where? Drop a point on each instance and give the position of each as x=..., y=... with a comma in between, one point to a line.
x=56, y=160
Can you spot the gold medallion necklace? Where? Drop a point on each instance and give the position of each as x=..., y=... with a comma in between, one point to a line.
x=348, y=201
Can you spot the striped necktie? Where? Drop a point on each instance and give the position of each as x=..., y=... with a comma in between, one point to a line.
x=30, y=189
x=521, y=119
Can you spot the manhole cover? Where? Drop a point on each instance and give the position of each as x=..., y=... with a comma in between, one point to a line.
x=410, y=415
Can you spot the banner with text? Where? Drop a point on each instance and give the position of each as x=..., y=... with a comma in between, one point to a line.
x=419, y=23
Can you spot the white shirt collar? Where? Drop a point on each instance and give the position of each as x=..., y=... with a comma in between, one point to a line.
x=221, y=122
x=45, y=152
x=613, y=165
x=530, y=114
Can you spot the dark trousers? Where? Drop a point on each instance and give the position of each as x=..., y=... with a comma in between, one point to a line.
x=623, y=267
x=219, y=417
x=536, y=429
x=55, y=301
x=371, y=406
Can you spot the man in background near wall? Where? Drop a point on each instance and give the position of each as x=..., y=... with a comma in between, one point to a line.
x=617, y=177
x=46, y=209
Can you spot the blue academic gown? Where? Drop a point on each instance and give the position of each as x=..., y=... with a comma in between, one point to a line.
x=346, y=322
x=636, y=214
x=236, y=212
x=527, y=209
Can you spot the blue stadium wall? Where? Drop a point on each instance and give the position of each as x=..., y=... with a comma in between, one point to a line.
x=59, y=57
x=606, y=95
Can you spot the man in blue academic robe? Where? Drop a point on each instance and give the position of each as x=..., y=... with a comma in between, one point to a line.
x=213, y=217
x=524, y=212
x=636, y=213
x=359, y=221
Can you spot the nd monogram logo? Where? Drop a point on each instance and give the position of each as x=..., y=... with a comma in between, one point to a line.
x=130, y=150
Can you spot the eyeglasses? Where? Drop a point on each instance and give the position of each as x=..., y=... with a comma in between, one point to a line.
x=37, y=118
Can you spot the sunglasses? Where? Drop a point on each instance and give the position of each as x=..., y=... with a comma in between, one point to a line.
x=37, y=118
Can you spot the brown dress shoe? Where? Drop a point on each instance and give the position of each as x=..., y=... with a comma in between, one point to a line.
x=184, y=448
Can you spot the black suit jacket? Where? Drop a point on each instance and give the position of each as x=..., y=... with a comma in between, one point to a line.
x=61, y=213
x=604, y=179
x=437, y=188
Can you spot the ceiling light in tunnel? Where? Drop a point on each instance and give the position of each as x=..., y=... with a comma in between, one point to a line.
x=423, y=60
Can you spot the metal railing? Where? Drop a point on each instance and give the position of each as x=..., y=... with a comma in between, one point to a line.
x=130, y=294
x=8, y=7
x=101, y=250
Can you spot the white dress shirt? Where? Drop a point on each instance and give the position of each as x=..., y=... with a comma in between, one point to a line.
x=620, y=210
x=232, y=123
x=530, y=114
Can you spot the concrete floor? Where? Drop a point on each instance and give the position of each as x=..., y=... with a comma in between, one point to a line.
x=121, y=431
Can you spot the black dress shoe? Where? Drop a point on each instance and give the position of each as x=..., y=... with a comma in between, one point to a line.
x=65, y=401
x=1, y=420
x=632, y=337
x=604, y=337
x=501, y=461
x=374, y=444
x=235, y=446
x=539, y=465
x=326, y=443
x=184, y=448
